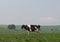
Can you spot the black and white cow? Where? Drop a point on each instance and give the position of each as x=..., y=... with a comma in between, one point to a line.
x=31, y=28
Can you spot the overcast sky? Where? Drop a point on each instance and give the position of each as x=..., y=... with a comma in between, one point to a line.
x=30, y=12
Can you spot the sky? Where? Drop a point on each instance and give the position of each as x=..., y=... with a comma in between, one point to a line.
x=44, y=12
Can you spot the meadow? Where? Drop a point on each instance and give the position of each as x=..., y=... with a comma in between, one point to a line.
x=47, y=34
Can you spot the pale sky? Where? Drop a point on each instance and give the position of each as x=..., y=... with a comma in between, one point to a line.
x=30, y=12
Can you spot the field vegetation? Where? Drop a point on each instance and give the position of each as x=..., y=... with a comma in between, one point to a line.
x=47, y=34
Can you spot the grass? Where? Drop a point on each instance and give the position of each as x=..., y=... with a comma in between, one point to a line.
x=43, y=37
x=7, y=35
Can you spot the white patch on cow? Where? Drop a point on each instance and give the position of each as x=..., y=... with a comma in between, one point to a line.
x=36, y=29
x=29, y=27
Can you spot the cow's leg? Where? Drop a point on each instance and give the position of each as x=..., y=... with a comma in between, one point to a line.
x=37, y=32
x=28, y=32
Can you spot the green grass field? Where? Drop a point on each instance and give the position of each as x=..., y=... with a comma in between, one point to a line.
x=48, y=34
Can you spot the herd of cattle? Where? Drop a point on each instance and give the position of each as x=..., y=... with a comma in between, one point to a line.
x=29, y=28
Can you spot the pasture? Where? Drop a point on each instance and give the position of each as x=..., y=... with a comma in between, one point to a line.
x=48, y=34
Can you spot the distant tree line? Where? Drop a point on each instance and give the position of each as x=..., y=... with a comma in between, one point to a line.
x=11, y=26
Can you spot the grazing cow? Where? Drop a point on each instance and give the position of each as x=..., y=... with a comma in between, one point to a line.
x=31, y=28
x=12, y=26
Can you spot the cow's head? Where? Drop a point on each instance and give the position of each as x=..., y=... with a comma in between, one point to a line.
x=22, y=26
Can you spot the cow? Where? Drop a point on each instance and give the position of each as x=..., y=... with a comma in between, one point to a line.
x=31, y=28
x=11, y=26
